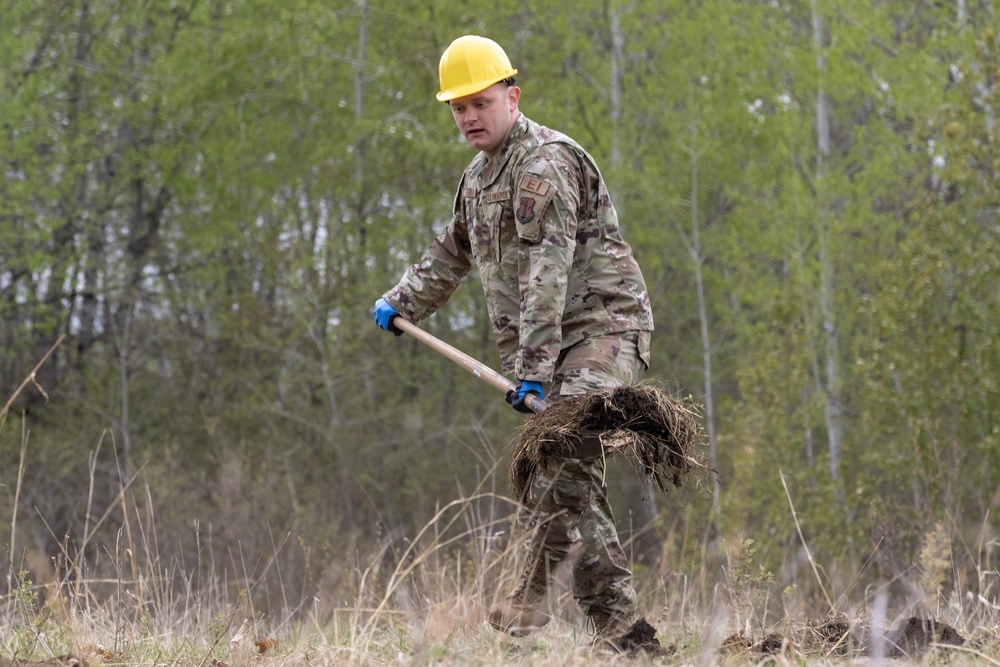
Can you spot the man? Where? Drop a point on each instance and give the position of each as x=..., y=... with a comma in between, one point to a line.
x=569, y=309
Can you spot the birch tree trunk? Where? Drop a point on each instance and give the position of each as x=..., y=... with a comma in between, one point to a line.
x=617, y=85
x=617, y=92
x=831, y=363
x=361, y=146
x=694, y=249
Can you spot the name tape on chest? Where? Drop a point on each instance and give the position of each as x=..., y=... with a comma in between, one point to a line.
x=500, y=195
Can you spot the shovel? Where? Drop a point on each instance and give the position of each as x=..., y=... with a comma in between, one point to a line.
x=661, y=433
x=477, y=368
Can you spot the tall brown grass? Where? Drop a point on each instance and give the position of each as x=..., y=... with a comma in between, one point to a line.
x=117, y=594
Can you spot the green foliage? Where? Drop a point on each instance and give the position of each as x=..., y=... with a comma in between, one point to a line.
x=33, y=626
x=25, y=596
x=748, y=581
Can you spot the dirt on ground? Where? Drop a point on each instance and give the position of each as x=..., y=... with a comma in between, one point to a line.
x=836, y=637
x=641, y=640
x=830, y=638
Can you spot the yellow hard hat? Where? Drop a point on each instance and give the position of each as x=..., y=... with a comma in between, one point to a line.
x=470, y=64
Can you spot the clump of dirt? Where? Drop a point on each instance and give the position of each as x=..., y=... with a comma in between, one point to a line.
x=771, y=644
x=915, y=635
x=659, y=433
x=641, y=640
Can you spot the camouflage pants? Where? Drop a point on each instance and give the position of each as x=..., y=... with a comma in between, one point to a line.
x=600, y=362
x=567, y=512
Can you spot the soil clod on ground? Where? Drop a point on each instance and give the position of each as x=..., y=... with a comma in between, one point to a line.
x=641, y=640
x=915, y=635
x=772, y=643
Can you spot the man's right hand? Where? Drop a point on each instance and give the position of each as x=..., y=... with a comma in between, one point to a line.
x=516, y=396
x=384, y=313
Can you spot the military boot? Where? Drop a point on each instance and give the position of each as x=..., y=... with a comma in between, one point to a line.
x=524, y=611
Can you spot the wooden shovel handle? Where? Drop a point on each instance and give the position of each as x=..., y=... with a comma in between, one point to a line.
x=477, y=368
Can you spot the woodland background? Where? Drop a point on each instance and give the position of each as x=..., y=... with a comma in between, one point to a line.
x=207, y=196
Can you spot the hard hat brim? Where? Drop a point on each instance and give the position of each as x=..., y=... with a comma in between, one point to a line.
x=470, y=88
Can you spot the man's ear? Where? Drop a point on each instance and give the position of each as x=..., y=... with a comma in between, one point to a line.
x=513, y=97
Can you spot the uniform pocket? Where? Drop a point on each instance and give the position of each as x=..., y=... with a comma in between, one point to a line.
x=480, y=232
x=571, y=493
x=575, y=483
x=494, y=220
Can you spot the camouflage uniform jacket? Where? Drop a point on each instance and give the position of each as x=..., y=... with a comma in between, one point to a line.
x=539, y=224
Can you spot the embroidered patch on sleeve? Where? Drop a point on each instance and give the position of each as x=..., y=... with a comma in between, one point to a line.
x=525, y=210
x=532, y=198
x=535, y=184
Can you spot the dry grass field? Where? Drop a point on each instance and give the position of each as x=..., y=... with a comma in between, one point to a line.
x=426, y=605
x=421, y=599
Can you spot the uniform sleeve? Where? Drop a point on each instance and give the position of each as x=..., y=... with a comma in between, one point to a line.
x=428, y=284
x=547, y=201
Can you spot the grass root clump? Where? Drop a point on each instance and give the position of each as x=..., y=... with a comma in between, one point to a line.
x=658, y=433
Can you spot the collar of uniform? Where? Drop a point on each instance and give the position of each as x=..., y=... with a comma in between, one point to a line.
x=496, y=164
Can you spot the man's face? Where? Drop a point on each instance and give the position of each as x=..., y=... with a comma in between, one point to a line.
x=485, y=118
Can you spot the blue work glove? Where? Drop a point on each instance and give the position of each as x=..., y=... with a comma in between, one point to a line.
x=384, y=313
x=516, y=396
